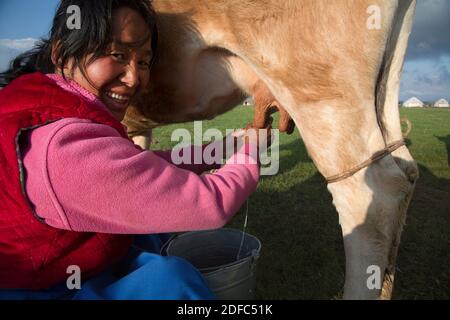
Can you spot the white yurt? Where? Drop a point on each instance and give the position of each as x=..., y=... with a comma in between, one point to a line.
x=413, y=103
x=441, y=103
x=249, y=102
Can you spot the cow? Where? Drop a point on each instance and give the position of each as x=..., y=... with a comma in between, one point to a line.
x=334, y=67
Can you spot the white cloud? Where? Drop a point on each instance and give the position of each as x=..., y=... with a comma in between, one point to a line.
x=428, y=79
x=429, y=38
x=11, y=48
x=424, y=45
x=19, y=44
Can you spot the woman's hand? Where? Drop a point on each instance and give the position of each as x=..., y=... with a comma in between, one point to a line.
x=261, y=138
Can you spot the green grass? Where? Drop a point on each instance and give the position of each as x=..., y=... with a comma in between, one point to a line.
x=293, y=216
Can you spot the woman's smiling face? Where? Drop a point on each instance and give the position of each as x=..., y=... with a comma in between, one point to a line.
x=124, y=70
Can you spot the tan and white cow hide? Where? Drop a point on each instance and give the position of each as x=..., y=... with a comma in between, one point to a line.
x=335, y=72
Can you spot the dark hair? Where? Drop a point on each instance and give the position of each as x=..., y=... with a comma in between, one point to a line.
x=94, y=37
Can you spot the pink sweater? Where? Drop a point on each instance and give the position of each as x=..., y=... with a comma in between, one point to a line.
x=83, y=176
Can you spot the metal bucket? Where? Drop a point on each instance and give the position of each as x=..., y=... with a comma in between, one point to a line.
x=215, y=254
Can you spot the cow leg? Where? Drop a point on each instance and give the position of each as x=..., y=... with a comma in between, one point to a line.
x=372, y=207
x=406, y=163
x=372, y=203
x=389, y=119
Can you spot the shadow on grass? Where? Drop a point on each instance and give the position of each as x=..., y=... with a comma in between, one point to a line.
x=294, y=153
x=424, y=255
x=303, y=253
x=446, y=140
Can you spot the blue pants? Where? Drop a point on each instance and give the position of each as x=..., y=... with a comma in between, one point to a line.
x=142, y=275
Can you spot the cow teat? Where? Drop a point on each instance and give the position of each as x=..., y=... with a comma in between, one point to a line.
x=265, y=105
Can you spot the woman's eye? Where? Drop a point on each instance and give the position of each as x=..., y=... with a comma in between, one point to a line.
x=145, y=64
x=118, y=56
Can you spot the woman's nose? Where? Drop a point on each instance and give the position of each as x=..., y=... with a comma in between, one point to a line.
x=131, y=75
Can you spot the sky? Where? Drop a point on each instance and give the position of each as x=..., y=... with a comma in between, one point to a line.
x=426, y=72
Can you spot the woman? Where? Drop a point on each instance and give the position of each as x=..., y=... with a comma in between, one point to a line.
x=75, y=189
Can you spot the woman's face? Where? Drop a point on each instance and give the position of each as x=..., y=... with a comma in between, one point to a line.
x=124, y=71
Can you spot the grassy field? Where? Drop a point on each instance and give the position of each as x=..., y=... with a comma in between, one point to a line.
x=292, y=214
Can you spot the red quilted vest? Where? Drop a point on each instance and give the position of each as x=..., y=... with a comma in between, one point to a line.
x=34, y=255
